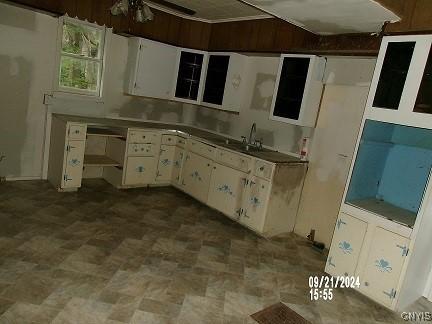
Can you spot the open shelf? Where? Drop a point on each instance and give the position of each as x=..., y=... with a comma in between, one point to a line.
x=94, y=131
x=100, y=160
x=386, y=210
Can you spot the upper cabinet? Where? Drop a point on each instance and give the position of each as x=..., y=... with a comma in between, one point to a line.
x=151, y=67
x=224, y=84
x=401, y=87
x=298, y=89
x=189, y=73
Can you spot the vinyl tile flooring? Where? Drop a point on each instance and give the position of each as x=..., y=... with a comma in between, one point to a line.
x=102, y=255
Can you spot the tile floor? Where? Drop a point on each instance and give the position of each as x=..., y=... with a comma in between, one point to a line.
x=150, y=256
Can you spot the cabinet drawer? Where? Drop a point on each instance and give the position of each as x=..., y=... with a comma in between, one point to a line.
x=169, y=139
x=141, y=150
x=234, y=160
x=181, y=142
x=138, y=136
x=263, y=169
x=77, y=132
x=202, y=149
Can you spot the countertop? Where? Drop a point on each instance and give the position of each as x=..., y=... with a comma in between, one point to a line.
x=212, y=138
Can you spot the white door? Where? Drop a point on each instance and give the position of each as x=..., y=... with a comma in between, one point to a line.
x=382, y=271
x=196, y=176
x=140, y=170
x=73, y=167
x=226, y=190
x=235, y=80
x=177, y=165
x=165, y=164
x=255, y=203
x=346, y=245
x=155, y=69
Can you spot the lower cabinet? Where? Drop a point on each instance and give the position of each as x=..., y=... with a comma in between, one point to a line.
x=255, y=203
x=196, y=176
x=346, y=245
x=226, y=190
x=179, y=155
x=73, y=167
x=140, y=170
x=165, y=163
x=381, y=273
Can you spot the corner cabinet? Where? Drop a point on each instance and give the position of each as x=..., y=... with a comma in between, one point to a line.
x=189, y=72
x=150, y=69
x=298, y=89
x=224, y=81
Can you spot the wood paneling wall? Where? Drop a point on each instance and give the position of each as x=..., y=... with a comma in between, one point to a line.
x=261, y=35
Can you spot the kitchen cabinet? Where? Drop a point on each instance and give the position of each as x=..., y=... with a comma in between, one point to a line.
x=74, y=164
x=191, y=65
x=255, y=203
x=151, y=68
x=196, y=176
x=381, y=273
x=226, y=190
x=140, y=171
x=346, y=245
x=165, y=163
x=224, y=81
x=179, y=155
x=400, y=89
x=298, y=89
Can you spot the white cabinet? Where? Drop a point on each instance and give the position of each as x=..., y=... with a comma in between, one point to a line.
x=151, y=68
x=400, y=89
x=140, y=170
x=165, y=163
x=224, y=81
x=381, y=274
x=179, y=156
x=346, y=245
x=226, y=190
x=73, y=168
x=298, y=89
x=189, y=74
x=196, y=176
x=255, y=203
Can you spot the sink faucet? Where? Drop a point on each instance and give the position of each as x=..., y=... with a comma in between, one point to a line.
x=252, y=131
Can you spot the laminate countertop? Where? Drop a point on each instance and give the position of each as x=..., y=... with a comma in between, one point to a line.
x=188, y=131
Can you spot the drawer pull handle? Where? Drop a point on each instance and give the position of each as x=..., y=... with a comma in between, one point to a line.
x=261, y=168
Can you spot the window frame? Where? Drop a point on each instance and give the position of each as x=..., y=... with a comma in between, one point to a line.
x=101, y=59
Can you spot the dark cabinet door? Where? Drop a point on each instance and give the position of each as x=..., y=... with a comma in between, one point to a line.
x=217, y=71
x=424, y=97
x=393, y=75
x=189, y=75
x=291, y=87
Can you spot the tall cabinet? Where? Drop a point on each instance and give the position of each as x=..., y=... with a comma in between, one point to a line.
x=382, y=234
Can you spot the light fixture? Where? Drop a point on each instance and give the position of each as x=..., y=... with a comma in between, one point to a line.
x=142, y=10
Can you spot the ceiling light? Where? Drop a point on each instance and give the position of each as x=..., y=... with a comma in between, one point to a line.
x=142, y=10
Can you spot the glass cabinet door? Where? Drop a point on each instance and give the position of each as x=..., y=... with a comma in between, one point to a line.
x=424, y=97
x=393, y=74
x=217, y=71
x=189, y=75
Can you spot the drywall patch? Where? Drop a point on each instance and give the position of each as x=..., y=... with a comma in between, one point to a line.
x=26, y=19
x=263, y=92
x=15, y=84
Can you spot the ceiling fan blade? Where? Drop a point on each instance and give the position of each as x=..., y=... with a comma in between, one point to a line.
x=175, y=7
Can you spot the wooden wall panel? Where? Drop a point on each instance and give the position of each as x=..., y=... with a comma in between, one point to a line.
x=84, y=9
x=421, y=18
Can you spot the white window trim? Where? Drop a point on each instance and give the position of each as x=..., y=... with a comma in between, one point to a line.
x=59, y=91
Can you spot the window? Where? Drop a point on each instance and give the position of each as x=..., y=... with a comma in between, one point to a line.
x=81, y=57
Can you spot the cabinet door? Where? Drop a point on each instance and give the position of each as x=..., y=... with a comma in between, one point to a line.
x=189, y=76
x=165, y=164
x=346, y=245
x=424, y=97
x=226, y=190
x=196, y=176
x=381, y=274
x=155, y=70
x=73, y=166
x=216, y=78
x=177, y=165
x=140, y=170
x=255, y=203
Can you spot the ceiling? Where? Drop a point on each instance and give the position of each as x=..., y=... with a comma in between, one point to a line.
x=216, y=10
x=324, y=17
x=330, y=16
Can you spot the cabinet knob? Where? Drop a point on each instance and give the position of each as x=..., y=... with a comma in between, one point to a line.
x=366, y=284
x=214, y=168
x=261, y=168
x=208, y=164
